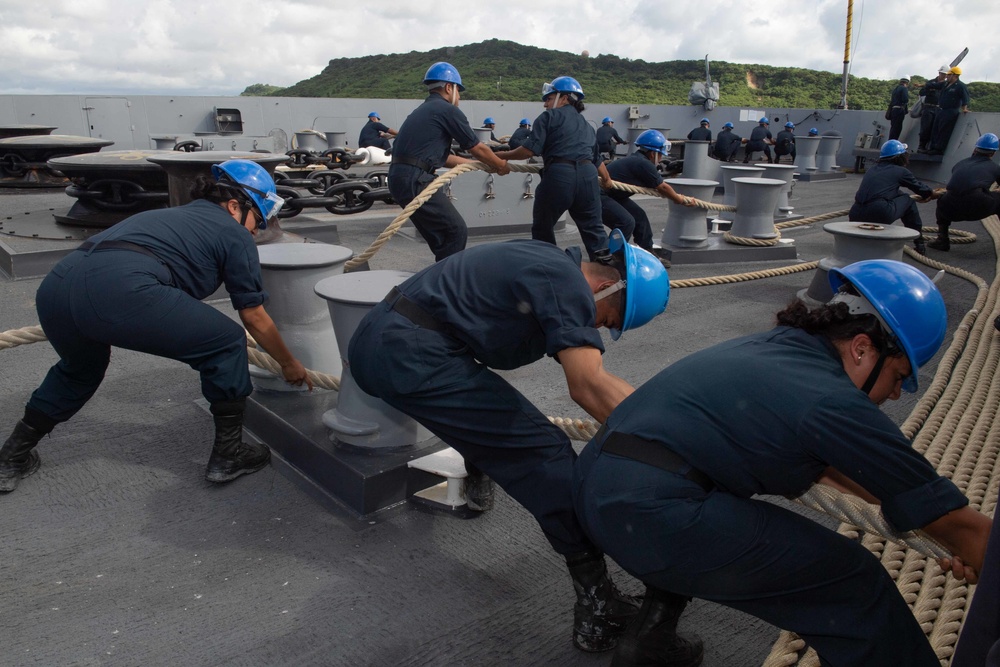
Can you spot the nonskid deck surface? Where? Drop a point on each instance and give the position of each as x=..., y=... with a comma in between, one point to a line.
x=117, y=552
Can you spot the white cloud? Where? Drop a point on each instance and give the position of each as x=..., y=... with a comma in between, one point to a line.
x=201, y=47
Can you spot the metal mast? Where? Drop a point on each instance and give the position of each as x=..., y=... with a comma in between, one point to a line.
x=847, y=54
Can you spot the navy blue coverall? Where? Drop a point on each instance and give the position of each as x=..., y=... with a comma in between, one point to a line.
x=931, y=92
x=700, y=134
x=608, y=138
x=422, y=147
x=879, y=199
x=617, y=208
x=969, y=196
x=764, y=414
x=371, y=135
x=103, y=297
x=568, y=147
x=979, y=643
x=953, y=97
x=503, y=306
x=518, y=137
x=756, y=142
x=898, y=106
x=726, y=145
x=784, y=144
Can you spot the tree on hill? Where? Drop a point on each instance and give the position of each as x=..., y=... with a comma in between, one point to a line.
x=504, y=70
x=261, y=90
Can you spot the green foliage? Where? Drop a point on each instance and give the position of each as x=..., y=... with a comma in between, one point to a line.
x=503, y=70
x=261, y=90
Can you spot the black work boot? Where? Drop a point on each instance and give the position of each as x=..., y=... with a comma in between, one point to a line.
x=943, y=242
x=603, y=256
x=478, y=489
x=231, y=457
x=18, y=457
x=652, y=639
x=601, y=613
x=920, y=246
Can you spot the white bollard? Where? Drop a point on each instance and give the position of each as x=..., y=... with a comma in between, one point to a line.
x=687, y=226
x=826, y=156
x=853, y=242
x=755, y=199
x=782, y=172
x=729, y=172
x=806, y=147
x=697, y=163
x=289, y=272
x=360, y=419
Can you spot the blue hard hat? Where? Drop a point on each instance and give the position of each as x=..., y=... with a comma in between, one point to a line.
x=653, y=140
x=988, y=142
x=892, y=148
x=728, y=124
x=790, y=125
x=704, y=121
x=906, y=302
x=444, y=72
x=489, y=121
x=813, y=131
x=562, y=84
x=373, y=114
x=607, y=119
x=764, y=121
x=255, y=183
x=524, y=121
x=647, y=285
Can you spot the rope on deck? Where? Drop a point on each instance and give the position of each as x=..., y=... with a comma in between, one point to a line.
x=853, y=512
x=954, y=426
x=453, y=173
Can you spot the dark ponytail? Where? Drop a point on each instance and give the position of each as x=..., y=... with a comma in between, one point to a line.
x=218, y=192
x=835, y=322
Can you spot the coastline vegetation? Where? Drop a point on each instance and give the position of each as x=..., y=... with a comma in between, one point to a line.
x=503, y=70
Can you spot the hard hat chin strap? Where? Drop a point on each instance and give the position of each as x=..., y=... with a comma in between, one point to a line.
x=858, y=305
x=608, y=291
x=873, y=376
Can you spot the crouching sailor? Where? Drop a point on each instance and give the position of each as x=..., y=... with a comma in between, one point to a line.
x=139, y=285
x=428, y=350
x=668, y=487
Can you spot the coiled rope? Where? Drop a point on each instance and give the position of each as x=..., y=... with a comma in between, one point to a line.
x=853, y=512
x=954, y=426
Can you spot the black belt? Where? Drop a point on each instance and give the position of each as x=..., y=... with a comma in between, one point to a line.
x=653, y=453
x=413, y=162
x=118, y=245
x=414, y=312
x=562, y=160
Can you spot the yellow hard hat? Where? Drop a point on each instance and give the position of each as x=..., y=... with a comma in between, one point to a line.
x=956, y=71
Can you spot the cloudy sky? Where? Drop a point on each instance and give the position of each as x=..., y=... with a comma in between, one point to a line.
x=207, y=47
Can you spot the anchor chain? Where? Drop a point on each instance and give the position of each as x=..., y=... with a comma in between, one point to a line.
x=117, y=195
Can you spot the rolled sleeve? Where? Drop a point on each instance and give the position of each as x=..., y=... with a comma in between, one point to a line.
x=920, y=506
x=567, y=337
x=241, y=275
x=241, y=300
x=539, y=130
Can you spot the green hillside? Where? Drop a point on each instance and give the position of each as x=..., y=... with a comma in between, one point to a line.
x=502, y=70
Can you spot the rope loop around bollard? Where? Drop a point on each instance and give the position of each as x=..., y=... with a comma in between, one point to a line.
x=445, y=180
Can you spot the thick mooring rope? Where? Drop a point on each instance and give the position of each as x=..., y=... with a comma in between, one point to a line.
x=921, y=582
x=464, y=168
x=954, y=425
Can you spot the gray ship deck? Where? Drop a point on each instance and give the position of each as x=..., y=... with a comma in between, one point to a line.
x=117, y=552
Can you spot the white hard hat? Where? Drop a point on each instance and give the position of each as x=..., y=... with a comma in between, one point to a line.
x=944, y=69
